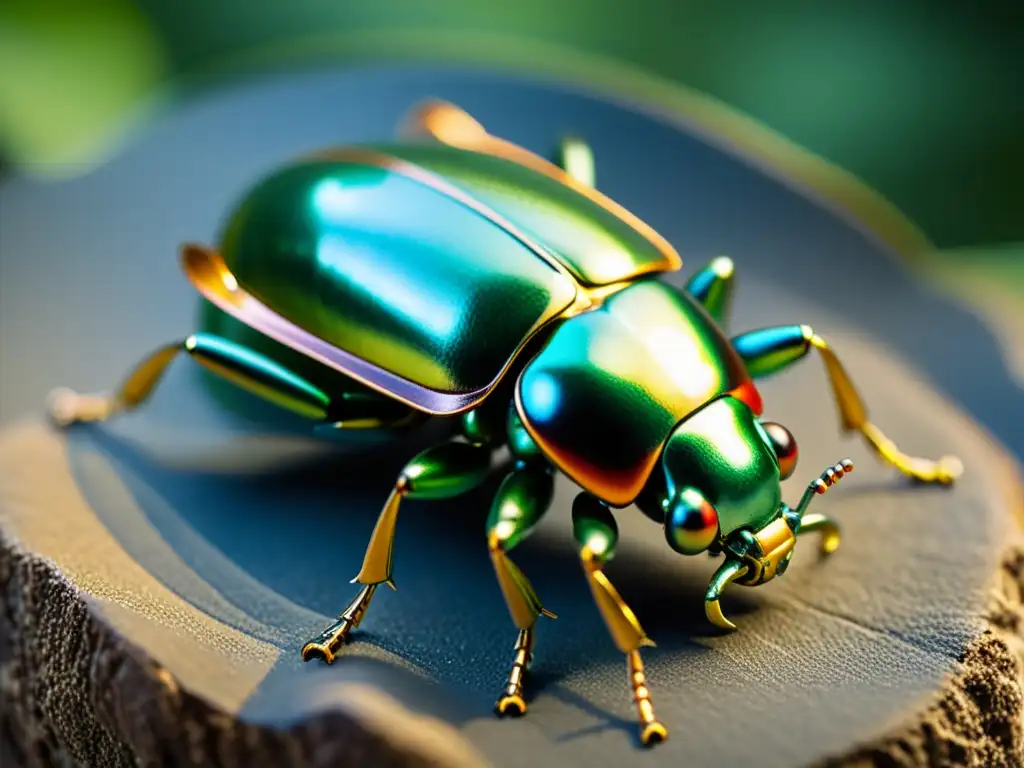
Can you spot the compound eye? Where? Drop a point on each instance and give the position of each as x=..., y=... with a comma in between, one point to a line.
x=784, y=444
x=692, y=523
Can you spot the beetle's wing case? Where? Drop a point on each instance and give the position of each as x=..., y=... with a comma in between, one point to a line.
x=604, y=393
x=386, y=273
x=597, y=239
x=423, y=269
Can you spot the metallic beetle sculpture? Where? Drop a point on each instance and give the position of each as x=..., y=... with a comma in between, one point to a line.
x=457, y=274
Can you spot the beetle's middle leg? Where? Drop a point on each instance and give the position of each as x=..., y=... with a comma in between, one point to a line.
x=523, y=497
x=441, y=472
x=769, y=350
x=596, y=533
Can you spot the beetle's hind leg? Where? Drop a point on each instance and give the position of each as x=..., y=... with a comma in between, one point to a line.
x=67, y=407
x=770, y=350
x=596, y=532
x=441, y=472
x=247, y=369
x=523, y=497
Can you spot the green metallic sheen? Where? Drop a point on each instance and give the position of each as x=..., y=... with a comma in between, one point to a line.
x=720, y=451
x=328, y=380
x=259, y=375
x=594, y=244
x=606, y=390
x=446, y=470
x=369, y=410
x=769, y=350
x=594, y=527
x=712, y=287
x=485, y=424
x=522, y=446
x=522, y=498
x=392, y=271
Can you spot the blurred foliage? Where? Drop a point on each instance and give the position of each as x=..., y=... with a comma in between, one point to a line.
x=919, y=99
x=989, y=280
x=71, y=75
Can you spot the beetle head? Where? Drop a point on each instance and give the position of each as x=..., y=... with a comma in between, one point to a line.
x=721, y=472
x=754, y=557
x=691, y=521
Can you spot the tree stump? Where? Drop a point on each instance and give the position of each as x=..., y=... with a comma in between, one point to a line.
x=159, y=573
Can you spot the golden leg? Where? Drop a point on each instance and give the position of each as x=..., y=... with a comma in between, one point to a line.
x=525, y=607
x=651, y=729
x=67, y=407
x=376, y=570
x=512, y=701
x=327, y=644
x=521, y=500
x=444, y=471
x=944, y=471
x=854, y=417
x=826, y=527
x=629, y=637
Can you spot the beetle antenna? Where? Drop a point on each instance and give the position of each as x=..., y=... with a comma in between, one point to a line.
x=821, y=484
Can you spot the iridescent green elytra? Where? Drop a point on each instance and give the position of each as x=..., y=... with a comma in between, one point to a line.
x=456, y=275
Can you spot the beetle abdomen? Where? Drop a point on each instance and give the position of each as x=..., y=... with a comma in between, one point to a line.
x=393, y=271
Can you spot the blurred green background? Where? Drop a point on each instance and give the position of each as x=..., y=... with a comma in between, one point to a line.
x=910, y=115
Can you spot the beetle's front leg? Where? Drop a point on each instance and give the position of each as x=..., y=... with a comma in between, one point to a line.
x=769, y=350
x=523, y=497
x=441, y=472
x=596, y=532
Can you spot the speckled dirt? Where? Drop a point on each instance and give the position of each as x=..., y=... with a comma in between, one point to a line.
x=978, y=721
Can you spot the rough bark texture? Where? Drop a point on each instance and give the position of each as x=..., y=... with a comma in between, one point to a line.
x=73, y=692
x=978, y=720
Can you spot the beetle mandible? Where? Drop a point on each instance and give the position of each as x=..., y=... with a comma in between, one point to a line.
x=455, y=274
